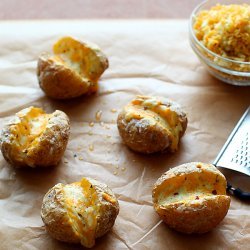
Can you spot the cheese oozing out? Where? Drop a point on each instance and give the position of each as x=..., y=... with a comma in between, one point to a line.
x=70, y=53
x=155, y=112
x=26, y=132
x=76, y=56
x=190, y=188
x=83, y=206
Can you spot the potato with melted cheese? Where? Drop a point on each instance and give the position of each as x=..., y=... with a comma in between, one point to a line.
x=73, y=70
x=152, y=124
x=35, y=139
x=79, y=212
x=191, y=198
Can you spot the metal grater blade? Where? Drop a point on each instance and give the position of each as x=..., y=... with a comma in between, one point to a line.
x=235, y=154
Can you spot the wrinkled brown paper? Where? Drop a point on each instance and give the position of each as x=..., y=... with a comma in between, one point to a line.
x=146, y=57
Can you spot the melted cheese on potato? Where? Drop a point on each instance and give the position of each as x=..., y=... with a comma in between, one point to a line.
x=191, y=187
x=71, y=53
x=156, y=112
x=26, y=132
x=82, y=205
x=83, y=59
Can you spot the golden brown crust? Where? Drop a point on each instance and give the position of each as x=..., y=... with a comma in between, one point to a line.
x=58, y=81
x=50, y=143
x=58, y=76
x=109, y=208
x=195, y=218
x=55, y=216
x=141, y=136
x=191, y=198
x=144, y=129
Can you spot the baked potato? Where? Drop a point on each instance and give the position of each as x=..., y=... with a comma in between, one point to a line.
x=151, y=124
x=73, y=70
x=35, y=139
x=79, y=212
x=191, y=198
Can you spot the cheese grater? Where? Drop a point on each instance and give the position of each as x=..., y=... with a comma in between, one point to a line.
x=235, y=154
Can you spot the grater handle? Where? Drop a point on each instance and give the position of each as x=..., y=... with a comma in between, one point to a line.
x=238, y=192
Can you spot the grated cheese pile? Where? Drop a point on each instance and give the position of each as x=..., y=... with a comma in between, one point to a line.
x=225, y=30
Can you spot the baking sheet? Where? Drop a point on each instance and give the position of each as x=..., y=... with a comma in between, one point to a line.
x=146, y=57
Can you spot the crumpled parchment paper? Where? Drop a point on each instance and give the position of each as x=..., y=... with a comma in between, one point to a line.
x=146, y=57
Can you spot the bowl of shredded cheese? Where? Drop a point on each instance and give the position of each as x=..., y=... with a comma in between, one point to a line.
x=220, y=36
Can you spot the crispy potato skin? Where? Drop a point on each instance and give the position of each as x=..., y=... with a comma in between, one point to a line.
x=108, y=210
x=59, y=81
x=47, y=152
x=142, y=136
x=195, y=218
x=191, y=216
x=54, y=214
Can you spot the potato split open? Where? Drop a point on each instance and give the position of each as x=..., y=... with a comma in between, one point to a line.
x=34, y=138
x=81, y=204
x=191, y=198
x=79, y=212
x=151, y=124
x=73, y=70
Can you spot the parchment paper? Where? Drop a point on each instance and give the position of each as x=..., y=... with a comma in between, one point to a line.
x=146, y=57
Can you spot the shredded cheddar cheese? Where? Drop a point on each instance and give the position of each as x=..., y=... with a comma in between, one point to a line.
x=108, y=198
x=225, y=30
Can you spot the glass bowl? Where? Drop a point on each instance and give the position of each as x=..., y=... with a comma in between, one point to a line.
x=224, y=69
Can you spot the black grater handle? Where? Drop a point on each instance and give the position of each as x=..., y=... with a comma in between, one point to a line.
x=238, y=192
